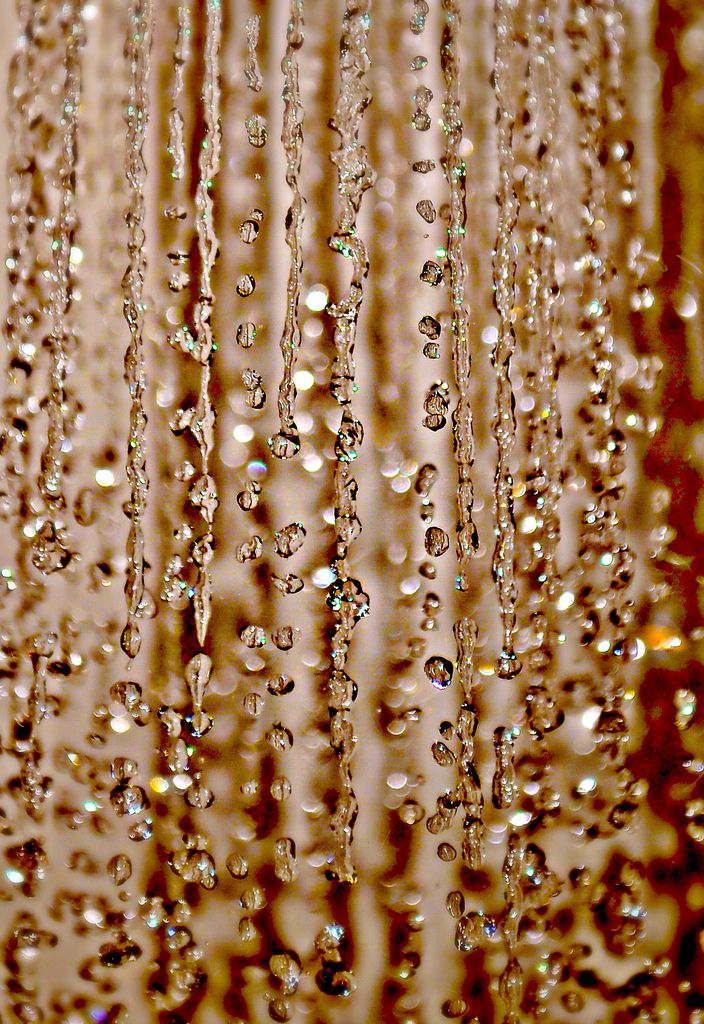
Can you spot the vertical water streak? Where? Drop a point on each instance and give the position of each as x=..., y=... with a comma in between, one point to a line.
x=540, y=333
x=504, y=424
x=252, y=74
x=34, y=786
x=203, y=493
x=469, y=785
x=625, y=156
x=182, y=51
x=52, y=463
x=345, y=596
x=19, y=354
x=544, y=482
x=511, y=980
x=286, y=443
x=456, y=174
x=138, y=55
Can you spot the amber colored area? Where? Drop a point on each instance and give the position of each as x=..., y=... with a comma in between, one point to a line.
x=383, y=823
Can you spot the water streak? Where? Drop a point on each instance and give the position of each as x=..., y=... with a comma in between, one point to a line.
x=252, y=74
x=346, y=597
x=203, y=493
x=138, y=51
x=511, y=980
x=287, y=442
x=469, y=785
x=52, y=468
x=22, y=312
x=182, y=52
x=456, y=171
x=504, y=423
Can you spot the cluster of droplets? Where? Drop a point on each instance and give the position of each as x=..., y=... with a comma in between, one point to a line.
x=605, y=559
x=466, y=791
x=540, y=523
x=24, y=309
x=43, y=83
x=333, y=977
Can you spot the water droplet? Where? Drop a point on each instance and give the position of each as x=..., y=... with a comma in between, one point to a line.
x=284, y=446
x=279, y=737
x=245, y=285
x=251, y=549
x=285, y=859
x=249, y=231
x=436, y=541
x=253, y=637
x=255, y=395
x=289, y=539
x=286, y=968
x=237, y=865
x=121, y=951
x=257, y=131
x=120, y=868
x=249, y=499
x=280, y=788
x=349, y=437
x=285, y=637
x=253, y=899
x=430, y=327
x=246, y=334
x=439, y=671
x=411, y=812
x=455, y=904
x=442, y=754
x=128, y=800
x=288, y=584
x=418, y=17
x=253, y=704
x=427, y=210
x=453, y=1008
x=431, y=273
x=280, y=685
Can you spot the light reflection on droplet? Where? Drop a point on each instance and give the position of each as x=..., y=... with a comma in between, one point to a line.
x=105, y=478
x=317, y=298
x=687, y=306
x=322, y=577
x=243, y=433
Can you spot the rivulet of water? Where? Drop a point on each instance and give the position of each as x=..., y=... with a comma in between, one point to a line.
x=138, y=50
x=51, y=471
x=456, y=173
x=346, y=597
x=286, y=442
x=182, y=50
x=504, y=299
